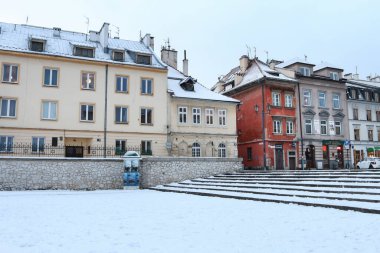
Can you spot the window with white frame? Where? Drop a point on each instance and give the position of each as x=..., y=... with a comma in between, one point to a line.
x=146, y=116
x=209, y=116
x=277, y=126
x=324, y=127
x=121, y=114
x=50, y=77
x=87, y=112
x=304, y=71
x=288, y=100
x=38, y=144
x=88, y=81
x=122, y=84
x=182, y=114
x=276, y=101
x=196, y=150
x=197, y=116
x=338, y=127
x=322, y=99
x=49, y=110
x=120, y=146
x=8, y=108
x=334, y=76
x=10, y=73
x=222, y=114
x=146, y=86
x=308, y=126
x=222, y=150
x=370, y=134
x=6, y=143
x=289, y=127
x=336, y=101
x=146, y=148
x=307, y=97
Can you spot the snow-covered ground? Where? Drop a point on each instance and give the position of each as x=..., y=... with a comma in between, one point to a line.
x=150, y=221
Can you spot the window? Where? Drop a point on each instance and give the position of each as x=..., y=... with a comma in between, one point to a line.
x=338, y=128
x=334, y=76
x=370, y=134
x=276, y=126
x=376, y=97
x=87, y=112
x=249, y=154
x=10, y=73
x=288, y=100
x=378, y=134
x=121, y=115
x=36, y=45
x=196, y=115
x=336, y=101
x=308, y=126
x=196, y=150
x=304, y=71
x=307, y=97
x=221, y=150
x=118, y=55
x=357, y=134
x=353, y=94
x=122, y=84
x=146, y=148
x=369, y=115
x=83, y=51
x=377, y=116
x=367, y=96
x=276, y=99
x=88, y=81
x=6, y=143
x=324, y=127
x=54, y=141
x=355, y=113
x=8, y=108
x=182, y=115
x=289, y=127
x=209, y=116
x=38, y=144
x=49, y=110
x=50, y=77
x=143, y=59
x=146, y=87
x=146, y=116
x=120, y=147
x=322, y=99
x=222, y=114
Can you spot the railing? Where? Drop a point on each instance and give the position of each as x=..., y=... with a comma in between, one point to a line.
x=29, y=150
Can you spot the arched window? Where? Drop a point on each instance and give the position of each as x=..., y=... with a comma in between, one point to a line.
x=222, y=150
x=196, y=150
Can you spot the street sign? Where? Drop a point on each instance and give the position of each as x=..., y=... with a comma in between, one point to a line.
x=347, y=144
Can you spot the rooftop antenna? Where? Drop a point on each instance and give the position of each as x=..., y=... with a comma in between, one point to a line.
x=248, y=51
x=118, y=31
x=27, y=20
x=140, y=35
x=254, y=48
x=87, y=23
x=168, y=44
x=356, y=69
x=305, y=58
x=267, y=53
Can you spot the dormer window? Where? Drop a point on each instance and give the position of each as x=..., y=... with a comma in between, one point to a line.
x=84, y=51
x=188, y=84
x=334, y=76
x=37, y=45
x=143, y=59
x=304, y=71
x=118, y=55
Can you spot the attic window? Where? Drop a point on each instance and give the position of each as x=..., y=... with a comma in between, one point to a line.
x=143, y=59
x=304, y=71
x=334, y=76
x=118, y=56
x=84, y=51
x=188, y=84
x=37, y=45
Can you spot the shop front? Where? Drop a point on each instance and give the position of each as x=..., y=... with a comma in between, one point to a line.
x=334, y=154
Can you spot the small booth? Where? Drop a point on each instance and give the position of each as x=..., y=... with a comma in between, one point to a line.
x=131, y=176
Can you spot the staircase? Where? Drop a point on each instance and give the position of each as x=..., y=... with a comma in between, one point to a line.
x=343, y=189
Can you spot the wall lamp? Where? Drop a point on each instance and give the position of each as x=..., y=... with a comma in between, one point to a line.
x=256, y=108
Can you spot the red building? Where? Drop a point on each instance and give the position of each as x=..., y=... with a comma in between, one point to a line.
x=266, y=117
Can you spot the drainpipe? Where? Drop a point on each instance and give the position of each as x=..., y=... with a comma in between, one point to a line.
x=105, y=115
x=263, y=125
x=300, y=125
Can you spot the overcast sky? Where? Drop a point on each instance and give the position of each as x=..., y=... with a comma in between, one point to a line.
x=216, y=33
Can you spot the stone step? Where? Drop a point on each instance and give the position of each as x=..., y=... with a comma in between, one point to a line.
x=377, y=176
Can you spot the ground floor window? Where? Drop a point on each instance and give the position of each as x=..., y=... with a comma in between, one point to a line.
x=120, y=147
x=249, y=154
x=6, y=143
x=146, y=147
x=38, y=144
x=196, y=150
x=222, y=150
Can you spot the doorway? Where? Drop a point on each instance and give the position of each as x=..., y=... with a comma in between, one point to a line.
x=310, y=157
x=326, y=157
x=292, y=160
x=279, y=157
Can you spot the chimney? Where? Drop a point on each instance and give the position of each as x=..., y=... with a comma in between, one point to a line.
x=273, y=63
x=244, y=60
x=148, y=40
x=94, y=36
x=185, y=65
x=56, y=31
x=348, y=76
x=103, y=35
x=169, y=56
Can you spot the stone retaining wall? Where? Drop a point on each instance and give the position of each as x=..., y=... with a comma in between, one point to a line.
x=90, y=174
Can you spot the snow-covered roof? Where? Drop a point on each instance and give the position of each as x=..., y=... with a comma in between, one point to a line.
x=175, y=78
x=293, y=61
x=362, y=84
x=14, y=37
x=324, y=65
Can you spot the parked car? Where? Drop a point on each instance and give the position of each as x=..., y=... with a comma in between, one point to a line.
x=369, y=163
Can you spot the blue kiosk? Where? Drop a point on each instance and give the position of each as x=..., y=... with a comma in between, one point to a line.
x=131, y=175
